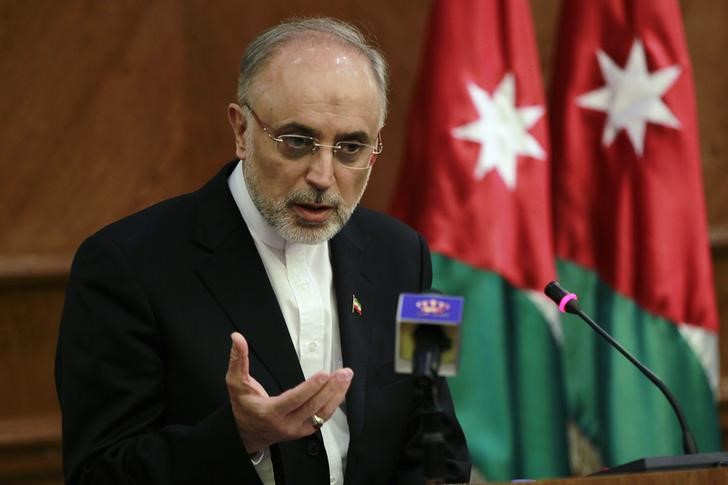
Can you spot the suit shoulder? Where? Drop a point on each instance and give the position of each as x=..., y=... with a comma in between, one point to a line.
x=380, y=225
x=163, y=219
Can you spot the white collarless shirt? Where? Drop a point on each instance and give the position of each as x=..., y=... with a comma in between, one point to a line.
x=302, y=281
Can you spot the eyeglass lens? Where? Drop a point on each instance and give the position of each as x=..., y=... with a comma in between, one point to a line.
x=346, y=152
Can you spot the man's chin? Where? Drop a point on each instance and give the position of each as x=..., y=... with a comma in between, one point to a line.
x=309, y=232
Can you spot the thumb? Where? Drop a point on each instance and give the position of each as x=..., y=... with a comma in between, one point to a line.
x=238, y=364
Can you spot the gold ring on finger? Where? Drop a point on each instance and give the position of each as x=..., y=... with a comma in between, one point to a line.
x=317, y=421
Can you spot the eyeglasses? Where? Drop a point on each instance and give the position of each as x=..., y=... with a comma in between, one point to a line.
x=351, y=154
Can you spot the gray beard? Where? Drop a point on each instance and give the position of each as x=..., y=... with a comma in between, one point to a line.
x=280, y=215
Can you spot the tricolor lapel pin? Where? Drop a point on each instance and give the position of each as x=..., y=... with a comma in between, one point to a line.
x=355, y=305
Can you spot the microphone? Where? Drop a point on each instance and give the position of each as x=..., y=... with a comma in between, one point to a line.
x=568, y=303
x=427, y=340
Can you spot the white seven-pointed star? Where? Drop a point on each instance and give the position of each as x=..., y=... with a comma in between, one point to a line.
x=631, y=97
x=502, y=130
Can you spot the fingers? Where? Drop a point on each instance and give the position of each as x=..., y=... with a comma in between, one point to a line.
x=293, y=399
x=344, y=377
x=238, y=365
x=238, y=374
x=326, y=400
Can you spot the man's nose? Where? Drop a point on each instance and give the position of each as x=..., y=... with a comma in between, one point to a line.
x=320, y=172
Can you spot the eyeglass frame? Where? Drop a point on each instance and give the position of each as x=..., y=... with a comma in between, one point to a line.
x=376, y=150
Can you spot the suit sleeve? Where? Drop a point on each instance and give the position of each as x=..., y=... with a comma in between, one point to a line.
x=457, y=457
x=110, y=369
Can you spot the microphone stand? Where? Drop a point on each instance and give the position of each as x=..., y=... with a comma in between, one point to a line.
x=567, y=302
x=688, y=442
x=426, y=363
x=433, y=441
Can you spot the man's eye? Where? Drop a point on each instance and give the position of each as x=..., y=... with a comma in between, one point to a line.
x=349, y=147
x=297, y=142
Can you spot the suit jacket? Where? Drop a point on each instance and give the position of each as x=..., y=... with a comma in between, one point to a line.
x=145, y=338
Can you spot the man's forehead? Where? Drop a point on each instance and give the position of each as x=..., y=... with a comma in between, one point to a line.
x=318, y=68
x=317, y=45
x=318, y=55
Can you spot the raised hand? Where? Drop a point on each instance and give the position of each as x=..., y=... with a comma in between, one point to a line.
x=263, y=420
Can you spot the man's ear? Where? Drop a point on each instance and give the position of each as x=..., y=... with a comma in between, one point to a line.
x=239, y=124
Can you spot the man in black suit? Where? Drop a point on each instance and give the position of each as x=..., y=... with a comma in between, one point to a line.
x=244, y=333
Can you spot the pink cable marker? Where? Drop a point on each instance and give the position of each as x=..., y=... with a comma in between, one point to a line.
x=566, y=299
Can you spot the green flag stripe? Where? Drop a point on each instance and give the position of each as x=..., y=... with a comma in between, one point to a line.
x=508, y=393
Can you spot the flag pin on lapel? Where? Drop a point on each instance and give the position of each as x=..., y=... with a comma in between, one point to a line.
x=355, y=305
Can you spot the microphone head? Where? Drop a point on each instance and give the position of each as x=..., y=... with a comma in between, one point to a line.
x=567, y=302
x=426, y=321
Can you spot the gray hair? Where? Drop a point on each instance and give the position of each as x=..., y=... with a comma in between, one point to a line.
x=263, y=48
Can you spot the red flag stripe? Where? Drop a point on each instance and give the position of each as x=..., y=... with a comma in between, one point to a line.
x=483, y=222
x=638, y=219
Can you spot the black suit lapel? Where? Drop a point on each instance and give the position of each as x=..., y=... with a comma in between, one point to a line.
x=347, y=250
x=235, y=275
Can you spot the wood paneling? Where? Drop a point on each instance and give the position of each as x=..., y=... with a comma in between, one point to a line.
x=31, y=298
x=30, y=451
x=28, y=333
x=682, y=477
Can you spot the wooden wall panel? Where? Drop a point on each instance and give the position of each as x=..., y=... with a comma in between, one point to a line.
x=111, y=106
x=30, y=450
x=27, y=345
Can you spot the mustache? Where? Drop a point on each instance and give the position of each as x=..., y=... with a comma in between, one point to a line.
x=313, y=197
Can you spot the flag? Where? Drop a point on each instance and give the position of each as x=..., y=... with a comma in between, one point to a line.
x=355, y=305
x=630, y=227
x=474, y=181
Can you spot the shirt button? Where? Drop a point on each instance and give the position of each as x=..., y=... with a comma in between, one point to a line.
x=312, y=347
x=303, y=284
x=312, y=448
